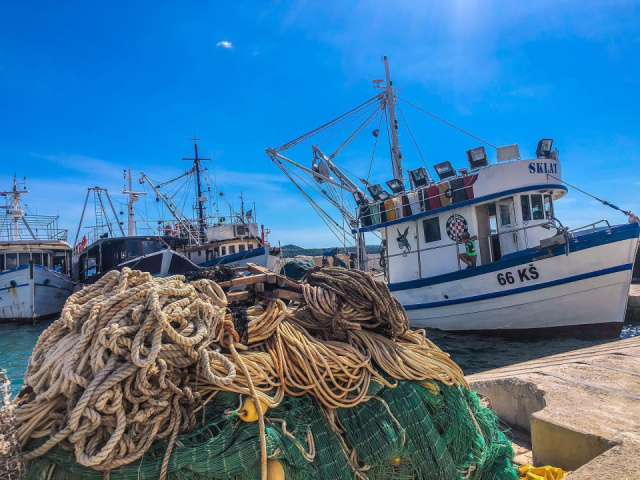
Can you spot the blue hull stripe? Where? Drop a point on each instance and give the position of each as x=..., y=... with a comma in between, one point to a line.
x=583, y=242
x=561, y=281
x=455, y=206
x=17, y=286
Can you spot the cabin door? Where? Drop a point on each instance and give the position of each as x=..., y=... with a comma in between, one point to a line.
x=506, y=226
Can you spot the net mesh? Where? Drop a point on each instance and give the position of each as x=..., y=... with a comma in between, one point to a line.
x=417, y=430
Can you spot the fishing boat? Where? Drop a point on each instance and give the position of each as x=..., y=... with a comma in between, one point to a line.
x=107, y=247
x=529, y=276
x=35, y=261
x=234, y=239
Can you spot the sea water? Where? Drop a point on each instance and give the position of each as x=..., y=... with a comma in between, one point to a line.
x=474, y=353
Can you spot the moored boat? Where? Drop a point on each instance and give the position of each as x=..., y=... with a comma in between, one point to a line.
x=35, y=262
x=526, y=274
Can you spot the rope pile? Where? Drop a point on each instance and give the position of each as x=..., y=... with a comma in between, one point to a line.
x=134, y=360
x=11, y=464
x=110, y=377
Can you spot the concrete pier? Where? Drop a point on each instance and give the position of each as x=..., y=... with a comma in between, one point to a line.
x=580, y=409
x=633, y=306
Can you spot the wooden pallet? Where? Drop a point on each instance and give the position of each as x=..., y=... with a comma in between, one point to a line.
x=260, y=282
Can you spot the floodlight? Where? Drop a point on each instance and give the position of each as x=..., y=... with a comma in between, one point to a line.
x=360, y=198
x=396, y=186
x=477, y=158
x=444, y=170
x=508, y=152
x=419, y=177
x=544, y=148
x=378, y=193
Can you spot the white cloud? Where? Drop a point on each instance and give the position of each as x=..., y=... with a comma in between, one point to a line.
x=224, y=44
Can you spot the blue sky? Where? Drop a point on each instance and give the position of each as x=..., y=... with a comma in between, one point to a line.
x=87, y=89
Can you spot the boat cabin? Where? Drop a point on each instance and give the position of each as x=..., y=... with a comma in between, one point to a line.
x=226, y=239
x=109, y=253
x=508, y=206
x=55, y=256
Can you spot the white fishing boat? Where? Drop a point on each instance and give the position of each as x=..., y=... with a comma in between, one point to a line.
x=531, y=276
x=35, y=261
x=212, y=237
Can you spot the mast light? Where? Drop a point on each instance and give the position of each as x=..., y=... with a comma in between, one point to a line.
x=418, y=177
x=378, y=193
x=477, y=158
x=444, y=170
x=396, y=186
x=360, y=198
x=544, y=148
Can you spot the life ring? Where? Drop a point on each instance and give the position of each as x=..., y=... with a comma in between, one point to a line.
x=448, y=193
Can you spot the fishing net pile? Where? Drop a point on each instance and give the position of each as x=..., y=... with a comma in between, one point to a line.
x=146, y=378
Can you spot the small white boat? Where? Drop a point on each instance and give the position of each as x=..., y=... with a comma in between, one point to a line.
x=530, y=276
x=35, y=262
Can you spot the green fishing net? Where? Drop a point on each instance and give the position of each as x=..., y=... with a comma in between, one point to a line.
x=413, y=431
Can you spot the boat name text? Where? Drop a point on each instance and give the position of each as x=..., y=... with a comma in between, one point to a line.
x=543, y=167
x=522, y=274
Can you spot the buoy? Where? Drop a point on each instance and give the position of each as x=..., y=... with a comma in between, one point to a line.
x=396, y=461
x=431, y=387
x=274, y=470
x=249, y=413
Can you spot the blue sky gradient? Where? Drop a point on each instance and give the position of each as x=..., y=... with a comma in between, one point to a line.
x=88, y=89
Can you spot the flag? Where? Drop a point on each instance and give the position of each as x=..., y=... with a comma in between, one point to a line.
x=249, y=213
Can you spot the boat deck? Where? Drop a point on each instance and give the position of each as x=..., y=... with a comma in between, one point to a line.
x=582, y=408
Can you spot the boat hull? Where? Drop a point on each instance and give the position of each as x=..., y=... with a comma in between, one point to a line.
x=260, y=256
x=31, y=292
x=535, y=293
x=159, y=264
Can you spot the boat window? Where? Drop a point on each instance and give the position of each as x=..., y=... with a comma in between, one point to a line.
x=493, y=219
x=12, y=260
x=431, y=228
x=241, y=248
x=1, y=262
x=548, y=206
x=148, y=247
x=37, y=258
x=223, y=250
x=24, y=258
x=59, y=264
x=526, y=208
x=505, y=215
x=250, y=246
x=536, y=207
x=133, y=249
x=232, y=249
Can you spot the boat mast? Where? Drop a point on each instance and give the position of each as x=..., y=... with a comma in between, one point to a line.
x=133, y=197
x=200, y=200
x=15, y=210
x=391, y=103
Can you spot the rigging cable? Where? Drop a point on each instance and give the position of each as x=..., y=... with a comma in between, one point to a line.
x=604, y=202
x=325, y=126
x=415, y=143
x=448, y=123
x=375, y=146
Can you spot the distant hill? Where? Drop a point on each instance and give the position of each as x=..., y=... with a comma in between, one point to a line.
x=294, y=250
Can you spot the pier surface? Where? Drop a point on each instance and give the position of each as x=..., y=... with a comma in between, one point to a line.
x=581, y=408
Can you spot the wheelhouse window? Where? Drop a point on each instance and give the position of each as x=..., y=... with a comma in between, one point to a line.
x=431, y=228
x=37, y=258
x=232, y=249
x=1, y=262
x=59, y=263
x=526, y=208
x=505, y=216
x=12, y=260
x=24, y=258
x=250, y=246
x=537, y=207
x=548, y=206
x=241, y=248
x=223, y=250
